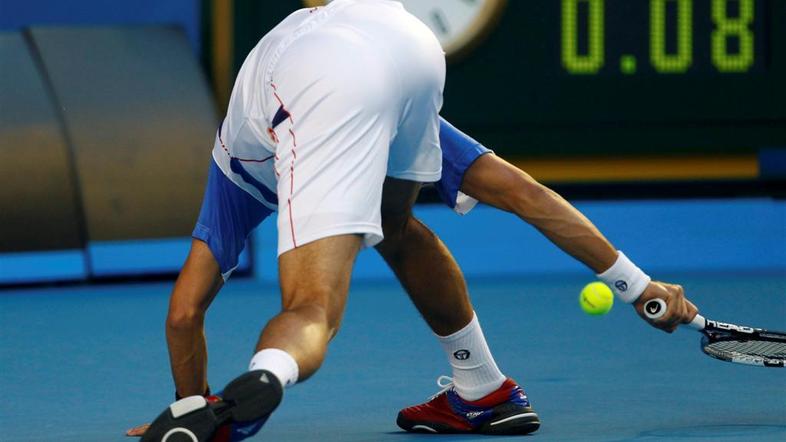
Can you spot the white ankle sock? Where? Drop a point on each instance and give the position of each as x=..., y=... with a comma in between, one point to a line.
x=475, y=374
x=278, y=362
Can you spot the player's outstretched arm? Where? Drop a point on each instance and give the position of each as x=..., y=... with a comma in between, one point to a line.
x=498, y=183
x=196, y=287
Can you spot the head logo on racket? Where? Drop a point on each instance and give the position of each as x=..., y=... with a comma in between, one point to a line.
x=731, y=327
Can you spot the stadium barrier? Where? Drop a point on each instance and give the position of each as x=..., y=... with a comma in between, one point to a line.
x=108, y=145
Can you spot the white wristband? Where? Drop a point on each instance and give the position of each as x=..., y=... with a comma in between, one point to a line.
x=625, y=279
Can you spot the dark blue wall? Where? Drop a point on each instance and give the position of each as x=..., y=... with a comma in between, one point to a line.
x=723, y=236
x=16, y=14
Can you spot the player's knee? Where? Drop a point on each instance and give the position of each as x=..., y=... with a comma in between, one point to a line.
x=313, y=304
x=323, y=324
x=398, y=196
x=394, y=226
x=402, y=234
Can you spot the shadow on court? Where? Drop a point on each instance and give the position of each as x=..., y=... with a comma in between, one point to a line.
x=85, y=363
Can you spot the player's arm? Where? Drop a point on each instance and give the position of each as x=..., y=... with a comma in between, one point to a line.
x=227, y=217
x=196, y=286
x=496, y=182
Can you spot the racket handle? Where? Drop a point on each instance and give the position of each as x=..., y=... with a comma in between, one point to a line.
x=656, y=308
x=698, y=323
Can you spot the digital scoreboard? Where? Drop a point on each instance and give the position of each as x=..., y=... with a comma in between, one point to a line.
x=578, y=78
x=627, y=76
x=722, y=36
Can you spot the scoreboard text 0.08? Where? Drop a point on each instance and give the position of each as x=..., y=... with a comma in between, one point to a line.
x=684, y=36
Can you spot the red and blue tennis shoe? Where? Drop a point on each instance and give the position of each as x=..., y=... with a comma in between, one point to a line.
x=505, y=411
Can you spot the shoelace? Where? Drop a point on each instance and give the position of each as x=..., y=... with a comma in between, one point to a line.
x=444, y=386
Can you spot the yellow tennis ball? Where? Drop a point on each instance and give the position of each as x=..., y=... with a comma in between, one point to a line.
x=596, y=298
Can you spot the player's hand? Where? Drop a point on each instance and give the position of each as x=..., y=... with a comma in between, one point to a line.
x=138, y=431
x=679, y=310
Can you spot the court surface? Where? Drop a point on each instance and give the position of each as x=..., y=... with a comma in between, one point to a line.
x=85, y=363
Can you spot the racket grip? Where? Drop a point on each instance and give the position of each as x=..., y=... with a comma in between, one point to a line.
x=698, y=322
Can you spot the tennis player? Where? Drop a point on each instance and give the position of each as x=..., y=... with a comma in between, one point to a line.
x=318, y=115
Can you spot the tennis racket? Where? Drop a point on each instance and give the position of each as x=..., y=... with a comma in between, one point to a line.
x=733, y=343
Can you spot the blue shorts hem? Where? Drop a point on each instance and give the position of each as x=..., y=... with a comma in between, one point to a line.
x=228, y=216
x=459, y=152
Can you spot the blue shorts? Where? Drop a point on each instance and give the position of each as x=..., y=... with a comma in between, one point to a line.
x=459, y=151
x=229, y=213
x=227, y=217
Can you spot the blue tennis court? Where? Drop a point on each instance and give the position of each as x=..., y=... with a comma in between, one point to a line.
x=660, y=121
x=85, y=363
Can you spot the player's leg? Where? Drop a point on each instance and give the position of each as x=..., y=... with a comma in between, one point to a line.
x=436, y=286
x=434, y=283
x=332, y=128
x=421, y=262
x=495, y=404
x=331, y=153
x=314, y=285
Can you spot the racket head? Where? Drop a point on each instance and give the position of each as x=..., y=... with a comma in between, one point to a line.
x=732, y=343
x=744, y=345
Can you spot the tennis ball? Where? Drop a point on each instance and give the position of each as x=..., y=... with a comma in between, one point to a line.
x=596, y=298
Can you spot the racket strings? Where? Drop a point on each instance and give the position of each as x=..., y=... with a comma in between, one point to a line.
x=762, y=349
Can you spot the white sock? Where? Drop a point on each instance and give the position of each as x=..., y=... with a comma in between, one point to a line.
x=278, y=362
x=475, y=374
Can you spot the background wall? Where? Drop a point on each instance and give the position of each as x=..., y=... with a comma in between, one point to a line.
x=17, y=14
x=106, y=127
x=664, y=237
x=115, y=103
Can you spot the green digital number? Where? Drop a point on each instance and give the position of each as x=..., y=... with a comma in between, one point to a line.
x=592, y=61
x=732, y=27
x=662, y=61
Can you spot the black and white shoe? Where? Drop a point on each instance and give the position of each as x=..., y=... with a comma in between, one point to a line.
x=246, y=401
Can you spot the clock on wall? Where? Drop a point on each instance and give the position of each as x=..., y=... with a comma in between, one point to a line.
x=458, y=24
